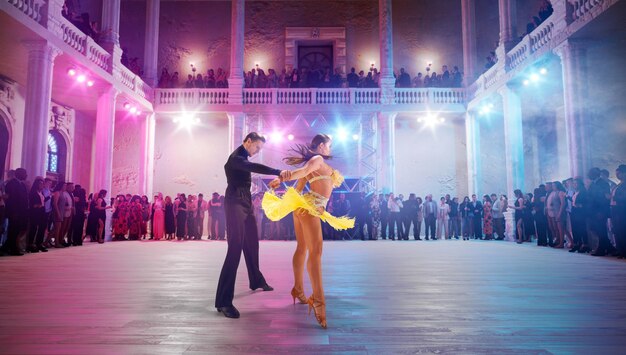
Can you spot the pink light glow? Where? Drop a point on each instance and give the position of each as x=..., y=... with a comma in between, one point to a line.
x=90, y=83
x=71, y=72
x=290, y=137
x=81, y=78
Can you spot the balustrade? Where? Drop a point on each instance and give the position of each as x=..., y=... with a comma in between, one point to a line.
x=31, y=8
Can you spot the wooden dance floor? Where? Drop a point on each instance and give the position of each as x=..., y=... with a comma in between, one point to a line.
x=446, y=297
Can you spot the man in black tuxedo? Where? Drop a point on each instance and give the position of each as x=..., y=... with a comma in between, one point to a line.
x=599, y=194
x=477, y=210
x=241, y=224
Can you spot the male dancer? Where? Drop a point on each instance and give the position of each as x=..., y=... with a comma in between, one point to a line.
x=241, y=224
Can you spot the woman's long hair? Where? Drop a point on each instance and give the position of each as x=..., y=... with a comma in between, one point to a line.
x=305, y=152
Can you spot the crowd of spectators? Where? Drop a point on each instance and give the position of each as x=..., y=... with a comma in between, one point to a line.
x=583, y=215
x=257, y=78
x=42, y=214
x=545, y=10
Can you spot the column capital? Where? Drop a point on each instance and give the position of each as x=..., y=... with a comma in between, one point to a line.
x=43, y=47
x=568, y=48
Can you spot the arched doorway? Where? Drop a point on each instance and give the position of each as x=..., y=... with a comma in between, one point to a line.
x=57, y=156
x=4, y=144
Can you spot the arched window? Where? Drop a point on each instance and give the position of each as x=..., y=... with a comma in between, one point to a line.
x=56, y=154
x=53, y=154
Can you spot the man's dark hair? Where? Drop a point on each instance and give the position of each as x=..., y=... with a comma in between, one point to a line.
x=253, y=136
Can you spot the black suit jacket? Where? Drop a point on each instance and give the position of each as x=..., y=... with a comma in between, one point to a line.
x=238, y=175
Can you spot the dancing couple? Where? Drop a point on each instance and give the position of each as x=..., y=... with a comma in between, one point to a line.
x=309, y=210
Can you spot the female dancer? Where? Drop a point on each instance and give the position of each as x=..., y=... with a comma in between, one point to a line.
x=310, y=210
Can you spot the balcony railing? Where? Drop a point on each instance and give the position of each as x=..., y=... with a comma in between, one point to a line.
x=309, y=96
x=85, y=46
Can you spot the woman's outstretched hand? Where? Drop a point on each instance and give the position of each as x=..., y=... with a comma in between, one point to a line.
x=275, y=183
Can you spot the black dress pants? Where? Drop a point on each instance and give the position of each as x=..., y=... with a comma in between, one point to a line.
x=242, y=236
x=78, y=221
x=395, y=221
x=416, y=228
x=430, y=224
x=38, y=224
x=384, y=222
x=478, y=228
x=598, y=226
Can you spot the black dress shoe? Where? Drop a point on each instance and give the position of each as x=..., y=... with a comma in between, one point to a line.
x=16, y=253
x=229, y=311
x=33, y=250
x=265, y=287
x=43, y=249
x=598, y=253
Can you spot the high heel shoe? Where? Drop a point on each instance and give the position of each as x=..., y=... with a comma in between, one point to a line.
x=319, y=308
x=299, y=295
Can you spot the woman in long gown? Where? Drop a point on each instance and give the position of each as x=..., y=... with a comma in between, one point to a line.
x=309, y=211
x=170, y=218
x=158, y=219
x=181, y=217
x=97, y=217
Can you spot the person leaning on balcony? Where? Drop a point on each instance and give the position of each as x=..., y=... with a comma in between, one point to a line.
x=353, y=78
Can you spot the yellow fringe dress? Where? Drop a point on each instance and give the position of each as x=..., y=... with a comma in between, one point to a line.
x=276, y=208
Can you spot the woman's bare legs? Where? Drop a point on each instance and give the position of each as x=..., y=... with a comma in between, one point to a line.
x=312, y=228
x=299, y=256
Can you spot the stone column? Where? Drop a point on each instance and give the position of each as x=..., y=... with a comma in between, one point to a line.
x=105, y=128
x=111, y=22
x=472, y=138
x=386, y=178
x=149, y=154
x=508, y=23
x=41, y=55
x=574, y=63
x=513, y=140
x=151, y=46
x=385, y=33
x=235, y=79
x=236, y=125
x=469, y=40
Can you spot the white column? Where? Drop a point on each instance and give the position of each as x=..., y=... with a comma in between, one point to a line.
x=574, y=63
x=513, y=140
x=508, y=23
x=386, y=178
x=105, y=128
x=472, y=138
x=146, y=157
x=385, y=34
x=41, y=56
x=236, y=123
x=151, y=46
x=111, y=22
x=469, y=40
x=235, y=79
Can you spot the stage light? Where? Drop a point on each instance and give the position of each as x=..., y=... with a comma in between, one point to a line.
x=534, y=77
x=81, y=78
x=71, y=72
x=90, y=83
x=186, y=120
x=138, y=113
x=126, y=106
x=355, y=137
x=526, y=82
x=133, y=110
x=342, y=135
x=430, y=120
x=276, y=136
x=290, y=137
x=543, y=71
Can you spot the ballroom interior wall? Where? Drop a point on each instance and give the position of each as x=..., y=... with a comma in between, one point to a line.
x=191, y=160
x=430, y=160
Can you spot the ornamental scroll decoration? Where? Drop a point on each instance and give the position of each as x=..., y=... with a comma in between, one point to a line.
x=315, y=32
x=62, y=119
